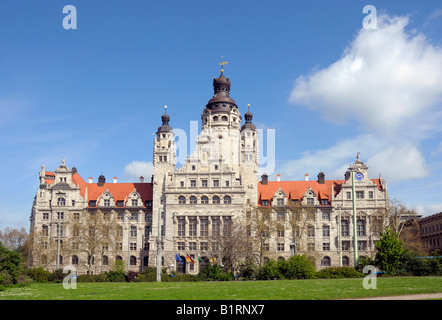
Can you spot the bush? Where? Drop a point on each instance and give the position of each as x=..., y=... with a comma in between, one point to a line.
x=91, y=278
x=298, y=267
x=10, y=263
x=269, y=271
x=214, y=272
x=38, y=274
x=247, y=269
x=339, y=272
x=364, y=261
x=115, y=276
x=6, y=279
x=414, y=265
x=56, y=276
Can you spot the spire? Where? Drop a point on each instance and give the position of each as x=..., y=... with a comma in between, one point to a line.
x=221, y=91
x=165, y=118
x=248, y=116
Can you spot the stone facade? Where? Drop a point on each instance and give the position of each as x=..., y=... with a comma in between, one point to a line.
x=216, y=187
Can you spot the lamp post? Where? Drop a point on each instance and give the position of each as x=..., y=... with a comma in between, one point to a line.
x=355, y=235
x=340, y=236
x=159, y=253
x=58, y=241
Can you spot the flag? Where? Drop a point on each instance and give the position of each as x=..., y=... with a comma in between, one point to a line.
x=178, y=258
x=213, y=260
x=189, y=259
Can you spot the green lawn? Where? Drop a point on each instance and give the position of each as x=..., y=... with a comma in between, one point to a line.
x=320, y=289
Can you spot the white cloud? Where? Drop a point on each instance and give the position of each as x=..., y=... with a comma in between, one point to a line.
x=136, y=169
x=386, y=84
x=386, y=80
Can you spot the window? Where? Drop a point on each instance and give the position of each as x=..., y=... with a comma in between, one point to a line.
x=227, y=200
x=134, y=216
x=133, y=261
x=310, y=231
x=310, y=201
x=280, y=246
x=105, y=261
x=76, y=216
x=227, y=183
x=324, y=202
x=192, y=245
x=45, y=216
x=92, y=203
x=45, y=231
x=348, y=195
x=280, y=216
x=120, y=203
x=215, y=200
x=204, y=200
x=345, y=261
x=182, y=184
x=326, y=231
x=359, y=194
x=193, y=183
x=181, y=200
x=280, y=232
x=227, y=226
x=326, y=246
x=216, y=183
x=106, y=202
x=204, y=246
x=362, y=245
x=344, y=228
x=181, y=246
x=133, y=246
x=326, y=262
x=60, y=215
x=193, y=200
x=192, y=227
x=370, y=195
x=361, y=227
x=325, y=215
x=204, y=227
x=204, y=183
x=61, y=201
x=181, y=227
x=279, y=202
x=264, y=203
x=216, y=227
x=75, y=260
x=134, y=202
x=133, y=231
x=346, y=245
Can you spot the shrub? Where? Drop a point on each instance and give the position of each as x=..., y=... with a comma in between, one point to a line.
x=298, y=267
x=214, y=272
x=6, y=279
x=56, y=276
x=339, y=272
x=10, y=263
x=247, y=269
x=38, y=274
x=91, y=278
x=115, y=276
x=269, y=271
x=364, y=261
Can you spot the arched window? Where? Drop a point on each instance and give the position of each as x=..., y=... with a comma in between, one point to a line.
x=204, y=200
x=215, y=118
x=345, y=261
x=105, y=261
x=75, y=260
x=61, y=201
x=215, y=200
x=193, y=200
x=118, y=258
x=361, y=227
x=227, y=200
x=133, y=261
x=44, y=259
x=146, y=261
x=224, y=118
x=326, y=262
x=182, y=200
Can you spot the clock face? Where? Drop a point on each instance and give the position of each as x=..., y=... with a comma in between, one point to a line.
x=359, y=176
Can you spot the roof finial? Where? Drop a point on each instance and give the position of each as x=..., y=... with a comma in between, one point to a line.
x=222, y=63
x=248, y=107
x=165, y=109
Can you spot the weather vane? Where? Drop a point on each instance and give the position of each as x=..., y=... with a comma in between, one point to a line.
x=223, y=63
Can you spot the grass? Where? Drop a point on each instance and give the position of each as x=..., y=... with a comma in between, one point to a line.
x=320, y=289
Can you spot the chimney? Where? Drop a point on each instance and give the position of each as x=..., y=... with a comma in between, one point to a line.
x=141, y=179
x=306, y=177
x=91, y=180
x=101, y=180
x=278, y=177
x=264, y=179
x=321, y=177
x=115, y=179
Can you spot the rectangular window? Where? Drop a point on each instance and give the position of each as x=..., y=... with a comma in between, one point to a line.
x=311, y=246
x=181, y=246
x=120, y=203
x=92, y=203
x=311, y=231
x=204, y=246
x=279, y=202
x=370, y=195
x=106, y=202
x=326, y=246
x=181, y=227
x=192, y=246
x=133, y=231
x=134, y=216
x=359, y=194
x=134, y=202
x=204, y=183
x=348, y=195
x=133, y=246
x=326, y=231
x=362, y=245
x=215, y=227
x=346, y=245
x=192, y=227
x=216, y=183
x=45, y=216
x=76, y=216
x=265, y=203
x=182, y=184
x=325, y=215
x=45, y=231
x=310, y=201
x=204, y=228
x=193, y=183
x=280, y=246
x=227, y=183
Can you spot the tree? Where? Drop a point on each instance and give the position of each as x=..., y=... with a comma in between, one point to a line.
x=389, y=251
x=9, y=263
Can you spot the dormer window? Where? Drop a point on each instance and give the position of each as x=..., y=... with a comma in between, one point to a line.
x=265, y=203
x=310, y=201
x=61, y=201
x=279, y=202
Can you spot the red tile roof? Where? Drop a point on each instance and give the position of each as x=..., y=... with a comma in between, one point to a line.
x=119, y=191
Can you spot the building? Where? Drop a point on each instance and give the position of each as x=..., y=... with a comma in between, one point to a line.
x=431, y=232
x=192, y=206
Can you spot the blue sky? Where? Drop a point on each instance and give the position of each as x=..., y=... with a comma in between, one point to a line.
x=327, y=86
